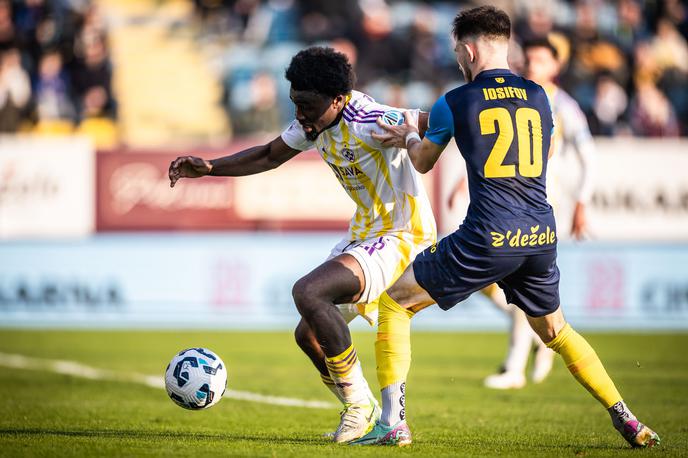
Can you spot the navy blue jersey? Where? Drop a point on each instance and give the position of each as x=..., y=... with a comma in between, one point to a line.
x=502, y=124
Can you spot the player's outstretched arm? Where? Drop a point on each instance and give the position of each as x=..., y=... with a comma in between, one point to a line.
x=247, y=162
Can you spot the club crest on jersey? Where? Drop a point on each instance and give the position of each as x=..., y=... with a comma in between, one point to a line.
x=393, y=117
x=499, y=79
x=349, y=154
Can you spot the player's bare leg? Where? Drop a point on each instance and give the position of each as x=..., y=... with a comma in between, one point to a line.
x=584, y=364
x=336, y=281
x=306, y=340
x=393, y=355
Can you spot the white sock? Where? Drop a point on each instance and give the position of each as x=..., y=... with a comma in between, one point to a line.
x=329, y=383
x=393, y=404
x=352, y=388
x=620, y=414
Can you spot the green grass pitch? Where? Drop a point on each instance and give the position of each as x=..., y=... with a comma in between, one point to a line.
x=450, y=413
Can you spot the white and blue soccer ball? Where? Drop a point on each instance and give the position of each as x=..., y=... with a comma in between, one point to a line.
x=196, y=378
x=393, y=117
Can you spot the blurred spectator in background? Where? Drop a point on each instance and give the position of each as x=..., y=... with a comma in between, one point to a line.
x=8, y=36
x=631, y=28
x=619, y=56
x=609, y=106
x=254, y=105
x=384, y=54
x=91, y=72
x=670, y=51
x=536, y=20
x=322, y=21
x=651, y=113
x=402, y=59
x=593, y=55
x=15, y=90
x=54, y=108
x=54, y=69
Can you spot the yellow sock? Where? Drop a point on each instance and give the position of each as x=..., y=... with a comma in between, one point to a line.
x=585, y=366
x=341, y=365
x=393, y=344
x=347, y=375
x=326, y=379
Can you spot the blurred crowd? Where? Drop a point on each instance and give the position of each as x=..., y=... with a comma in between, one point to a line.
x=625, y=61
x=55, y=70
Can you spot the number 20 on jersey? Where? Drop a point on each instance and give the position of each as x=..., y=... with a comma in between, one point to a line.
x=529, y=137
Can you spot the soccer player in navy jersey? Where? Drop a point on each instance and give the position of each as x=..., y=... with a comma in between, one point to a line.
x=502, y=124
x=571, y=136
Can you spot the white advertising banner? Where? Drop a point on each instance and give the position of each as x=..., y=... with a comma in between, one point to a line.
x=244, y=281
x=47, y=187
x=640, y=190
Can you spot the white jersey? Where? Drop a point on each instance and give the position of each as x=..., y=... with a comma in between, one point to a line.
x=388, y=192
x=571, y=132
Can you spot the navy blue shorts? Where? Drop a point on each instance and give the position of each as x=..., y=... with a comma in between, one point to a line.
x=450, y=272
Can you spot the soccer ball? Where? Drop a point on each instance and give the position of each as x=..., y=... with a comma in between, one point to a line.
x=196, y=378
x=393, y=117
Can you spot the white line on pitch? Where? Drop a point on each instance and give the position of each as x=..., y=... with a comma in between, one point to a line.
x=80, y=370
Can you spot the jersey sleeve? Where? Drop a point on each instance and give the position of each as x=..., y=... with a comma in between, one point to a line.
x=295, y=137
x=551, y=110
x=575, y=127
x=441, y=123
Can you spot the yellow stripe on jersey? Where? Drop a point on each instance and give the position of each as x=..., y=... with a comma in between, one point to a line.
x=417, y=229
x=378, y=206
x=379, y=160
x=382, y=166
x=416, y=219
x=363, y=219
x=378, y=189
x=361, y=212
x=350, y=188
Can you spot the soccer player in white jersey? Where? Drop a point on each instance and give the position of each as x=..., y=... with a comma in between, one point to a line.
x=393, y=220
x=571, y=134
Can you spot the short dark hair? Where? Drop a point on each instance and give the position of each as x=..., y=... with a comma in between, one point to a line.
x=322, y=70
x=483, y=21
x=541, y=43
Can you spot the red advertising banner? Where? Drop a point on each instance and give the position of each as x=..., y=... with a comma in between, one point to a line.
x=133, y=193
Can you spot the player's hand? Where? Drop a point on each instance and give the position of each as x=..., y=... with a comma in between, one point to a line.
x=580, y=222
x=188, y=167
x=395, y=136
